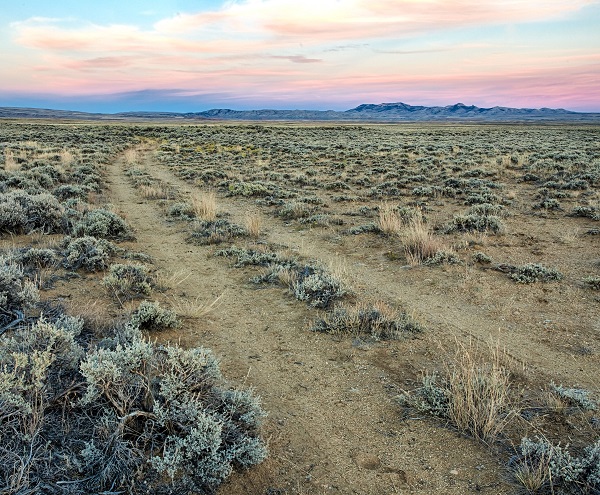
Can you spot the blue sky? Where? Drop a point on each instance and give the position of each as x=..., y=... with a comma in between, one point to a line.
x=189, y=55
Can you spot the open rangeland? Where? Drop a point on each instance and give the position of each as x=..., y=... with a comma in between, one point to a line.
x=390, y=308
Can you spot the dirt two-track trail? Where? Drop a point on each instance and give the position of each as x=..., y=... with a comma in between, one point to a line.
x=333, y=424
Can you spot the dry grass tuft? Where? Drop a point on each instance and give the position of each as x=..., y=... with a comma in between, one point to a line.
x=253, y=225
x=205, y=205
x=94, y=312
x=161, y=191
x=534, y=475
x=419, y=241
x=66, y=158
x=479, y=401
x=195, y=308
x=131, y=156
x=390, y=222
x=473, y=393
x=10, y=164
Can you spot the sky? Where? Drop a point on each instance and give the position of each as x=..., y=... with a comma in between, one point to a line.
x=193, y=55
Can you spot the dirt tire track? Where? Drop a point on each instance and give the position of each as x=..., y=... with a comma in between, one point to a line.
x=333, y=424
x=447, y=318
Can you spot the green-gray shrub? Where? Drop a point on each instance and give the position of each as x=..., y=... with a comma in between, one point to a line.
x=150, y=316
x=557, y=469
x=102, y=224
x=378, y=321
x=575, y=396
x=593, y=282
x=246, y=257
x=16, y=293
x=87, y=252
x=178, y=415
x=474, y=223
x=215, y=231
x=21, y=212
x=534, y=272
x=126, y=282
x=592, y=212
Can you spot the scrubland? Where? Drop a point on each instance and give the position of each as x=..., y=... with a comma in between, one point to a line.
x=299, y=308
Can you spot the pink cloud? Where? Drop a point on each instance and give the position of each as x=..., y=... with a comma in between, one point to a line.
x=315, y=48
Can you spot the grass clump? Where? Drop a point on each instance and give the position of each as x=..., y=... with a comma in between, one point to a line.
x=473, y=396
x=420, y=243
x=534, y=272
x=102, y=224
x=377, y=320
x=127, y=282
x=205, y=206
x=390, y=222
x=150, y=316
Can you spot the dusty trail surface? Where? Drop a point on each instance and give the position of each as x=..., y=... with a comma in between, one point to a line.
x=333, y=424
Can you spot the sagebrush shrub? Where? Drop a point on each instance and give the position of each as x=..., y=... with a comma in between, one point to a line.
x=21, y=212
x=16, y=293
x=150, y=316
x=103, y=224
x=176, y=412
x=128, y=416
x=578, y=397
x=378, y=320
x=534, y=272
x=128, y=281
x=215, y=231
x=550, y=468
x=474, y=223
x=87, y=252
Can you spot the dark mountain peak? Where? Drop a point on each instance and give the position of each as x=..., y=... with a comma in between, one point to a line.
x=383, y=107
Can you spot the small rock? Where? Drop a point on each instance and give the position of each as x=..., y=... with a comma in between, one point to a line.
x=367, y=461
x=454, y=472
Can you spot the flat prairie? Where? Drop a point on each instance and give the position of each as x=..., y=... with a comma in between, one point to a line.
x=346, y=274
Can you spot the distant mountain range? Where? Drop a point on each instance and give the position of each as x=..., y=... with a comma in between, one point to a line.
x=384, y=112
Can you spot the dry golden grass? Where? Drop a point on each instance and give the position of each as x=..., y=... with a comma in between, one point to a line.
x=205, y=205
x=10, y=164
x=419, y=241
x=253, y=225
x=534, y=476
x=66, y=158
x=160, y=191
x=479, y=401
x=94, y=312
x=131, y=156
x=195, y=308
x=390, y=222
